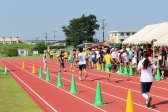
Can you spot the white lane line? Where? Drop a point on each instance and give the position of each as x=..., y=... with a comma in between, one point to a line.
x=102, y=91
x=60, y=88
x=32, y=90
x=121, y=79
x=119, y=86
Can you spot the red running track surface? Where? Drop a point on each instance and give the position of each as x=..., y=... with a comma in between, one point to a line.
x=51, y=98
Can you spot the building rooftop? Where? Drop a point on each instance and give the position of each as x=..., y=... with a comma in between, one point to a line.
x=122, y=31
x=41, y=40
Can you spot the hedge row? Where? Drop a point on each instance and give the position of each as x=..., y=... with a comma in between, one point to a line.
x=12, y=52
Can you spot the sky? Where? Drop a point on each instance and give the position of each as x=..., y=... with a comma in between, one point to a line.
x=33, y=18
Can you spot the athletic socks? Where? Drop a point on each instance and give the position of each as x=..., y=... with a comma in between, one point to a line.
x=148, y=99
x=145, y=96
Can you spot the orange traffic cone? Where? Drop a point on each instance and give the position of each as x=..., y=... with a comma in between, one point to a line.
x=33, y=69
x=23, y=66
x=129, y=105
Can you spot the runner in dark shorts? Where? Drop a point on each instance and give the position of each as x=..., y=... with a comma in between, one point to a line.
x=61, y=61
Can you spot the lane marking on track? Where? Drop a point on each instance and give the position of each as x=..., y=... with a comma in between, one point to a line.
x=60, y=88
x=31, y=90
x=128, y=81
x=136, y=77
x=117, y=86
x=93, y=89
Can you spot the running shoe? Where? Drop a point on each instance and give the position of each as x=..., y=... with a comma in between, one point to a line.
x=149, y=102
x=80, y=78
x=86, y=75
x=107, y=79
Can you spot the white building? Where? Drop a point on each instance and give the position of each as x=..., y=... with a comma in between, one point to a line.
x=119, y=36
x=11, y=40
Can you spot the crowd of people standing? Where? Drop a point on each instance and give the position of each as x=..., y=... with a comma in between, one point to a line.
x=143, y=60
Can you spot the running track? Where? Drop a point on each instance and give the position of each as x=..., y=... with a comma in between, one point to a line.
x=51, y=98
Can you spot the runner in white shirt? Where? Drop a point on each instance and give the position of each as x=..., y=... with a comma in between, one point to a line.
x=145, y=68
x=82, y=63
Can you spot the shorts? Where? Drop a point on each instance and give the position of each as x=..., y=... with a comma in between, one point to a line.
x=70, y=61
x=108, y=66
x=162, y=68
x=94, y=61
x=51, y=56
x=65, y=58
x=89, y=58
x=83, y=66
x=45, y=60
x=100, y=60
x=130, y=60
x=61, y=65
x=145, y=87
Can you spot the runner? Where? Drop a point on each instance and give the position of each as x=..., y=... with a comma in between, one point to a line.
x=162, y=58
x=57, y=54
x=145, y=68
x=51, y=54
x=89, y=59
x=82, y=63
x=94, y=58
x=44, y=61
x=61, y=61
x=71, y=59
x=66, y=57
x=108, y=59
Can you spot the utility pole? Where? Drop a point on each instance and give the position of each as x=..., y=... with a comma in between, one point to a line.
x=36, y=40
x=103, y=27
x=46, y=38
x=54, y=35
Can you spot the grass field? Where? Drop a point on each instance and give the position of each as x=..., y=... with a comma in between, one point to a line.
x=13, y=98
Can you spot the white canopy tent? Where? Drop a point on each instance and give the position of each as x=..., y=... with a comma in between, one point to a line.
x=163, y=41
x=148, y=33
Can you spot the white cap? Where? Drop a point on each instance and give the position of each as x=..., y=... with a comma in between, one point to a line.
x=105, y=48
x=93, y=49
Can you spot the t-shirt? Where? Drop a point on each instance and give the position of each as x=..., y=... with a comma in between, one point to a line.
x=160, y=56
x=113, y=54
x=51, y=52
x=94, y=56
x=65, y=54
x=150, y=51
x=71, y=56
x=134, y=61
x=107, y=59
x=82, y=59
x=98, y=55
x=58, y=53
x=146, y=74
x=44, y=58
x=130, y=51
x=125, y=56
x=61, y=58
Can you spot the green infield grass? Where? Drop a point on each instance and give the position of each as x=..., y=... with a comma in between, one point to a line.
x=13, y=98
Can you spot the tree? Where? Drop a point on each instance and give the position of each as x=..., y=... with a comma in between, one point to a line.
x=40, y=47
x=80, y=29
x=12, y=52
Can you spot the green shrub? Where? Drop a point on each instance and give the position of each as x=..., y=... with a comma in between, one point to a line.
x=12, y=52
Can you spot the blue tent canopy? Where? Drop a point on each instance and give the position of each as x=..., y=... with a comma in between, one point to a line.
x=80, y=45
